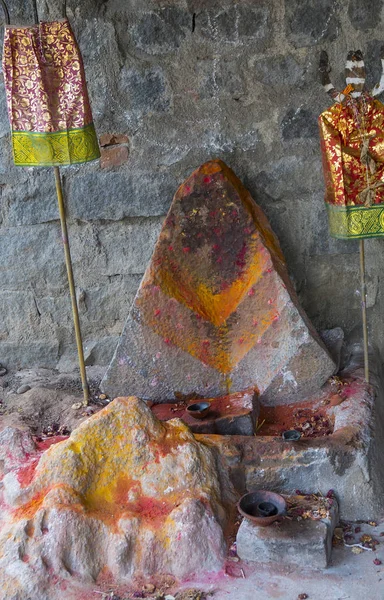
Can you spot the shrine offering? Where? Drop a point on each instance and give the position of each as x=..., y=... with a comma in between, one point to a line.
x=47, y=98
x=352, y=144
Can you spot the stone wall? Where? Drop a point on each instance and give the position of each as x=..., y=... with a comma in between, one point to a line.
x=185, y=81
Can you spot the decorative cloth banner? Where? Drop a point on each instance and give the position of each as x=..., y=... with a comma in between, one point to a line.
x=352, y=143
x=47, y=97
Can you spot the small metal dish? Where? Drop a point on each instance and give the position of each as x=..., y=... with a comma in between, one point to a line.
x=291, y=435
x=198, y=410
x=254, y=506
x=267, y=509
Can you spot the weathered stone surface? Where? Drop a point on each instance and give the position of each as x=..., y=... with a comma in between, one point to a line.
x=223, y=75
x=38, y=353
x=235, y=414
x=348, y=461
x=334, y=340
x=372, y=60
x=148, y=91
x=44, y=409
x=26, y=207
x=16, y=444
x=4, y=123
x=283, y=70
x=323, y=271
x=299, y=123
x=365, y=16
x=247, y=23
x=278, y=180
x=224, y=96
x=163, y=31
x=306, y=542
x=37, y=260
x=90, y=196
x=22, y=389
x=125, y=494
x=216, y=306
x=100, y=351
x=312, y=22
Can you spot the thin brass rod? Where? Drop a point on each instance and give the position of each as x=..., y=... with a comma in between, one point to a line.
x=364, y=309
x=68, y=262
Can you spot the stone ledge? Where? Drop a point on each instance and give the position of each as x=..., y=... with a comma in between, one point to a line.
x=235, y=414
x=306, y=542
x=349, y=460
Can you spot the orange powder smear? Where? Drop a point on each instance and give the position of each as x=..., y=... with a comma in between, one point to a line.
x=277, y=419
x=152, y=510
x=210, y=168
x=110, y=501
x=28, y=510
x=214, y=307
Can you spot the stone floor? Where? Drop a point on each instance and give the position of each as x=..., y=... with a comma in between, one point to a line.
x=350, y=577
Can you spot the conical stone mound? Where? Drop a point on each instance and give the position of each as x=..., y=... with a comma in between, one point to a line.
x=216, y=311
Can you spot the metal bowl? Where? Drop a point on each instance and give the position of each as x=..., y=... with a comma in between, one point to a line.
x=291, y=435
x=252, y=506
x=267, y=509
x=198, y=410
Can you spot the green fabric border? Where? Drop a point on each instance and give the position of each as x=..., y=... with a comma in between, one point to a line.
x=55, y=148
x=356, y=222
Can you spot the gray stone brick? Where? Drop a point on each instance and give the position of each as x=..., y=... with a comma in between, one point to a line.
x=236, y=24
x=32, y=256
x=162, y=31
x=365, y=16
x=145, y=91
x=311, y=22
x=279, y=70
x=305, y=543
x=40, y=353
x=4, y=123
x=299, y=123
x=115, y=196
x=33, y=202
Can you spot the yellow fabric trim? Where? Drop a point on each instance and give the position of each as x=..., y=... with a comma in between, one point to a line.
x=72, y=146
x=356, y=222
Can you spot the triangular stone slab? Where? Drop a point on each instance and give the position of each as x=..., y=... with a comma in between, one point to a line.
x=216, y=310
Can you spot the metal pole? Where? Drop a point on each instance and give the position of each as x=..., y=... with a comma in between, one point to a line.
x=364, y=310
x=64, y=235
x=68, y=262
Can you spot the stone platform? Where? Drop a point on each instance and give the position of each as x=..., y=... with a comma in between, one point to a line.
x=347, y=460
x=303, y=538
x=235, y=414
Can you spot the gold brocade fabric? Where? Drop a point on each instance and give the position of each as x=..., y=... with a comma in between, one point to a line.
x=346, y=177
x=47, y=97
